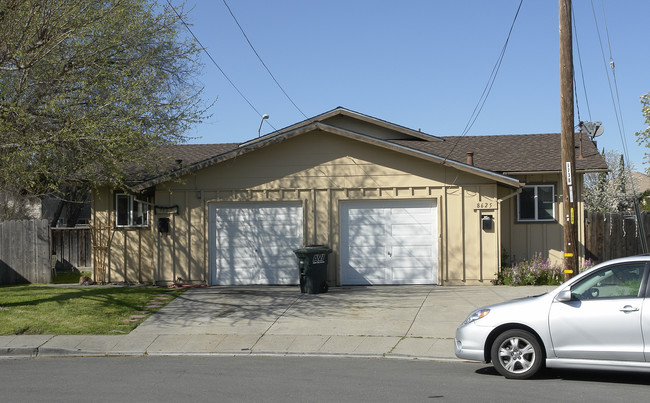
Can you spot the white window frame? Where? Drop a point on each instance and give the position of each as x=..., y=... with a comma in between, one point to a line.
x=137, y=207
x=536, y=204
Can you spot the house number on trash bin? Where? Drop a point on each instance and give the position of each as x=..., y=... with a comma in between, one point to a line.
x=318, y=258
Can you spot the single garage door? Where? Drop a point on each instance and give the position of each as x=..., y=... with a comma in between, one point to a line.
x=389, y=242
x=254, y=243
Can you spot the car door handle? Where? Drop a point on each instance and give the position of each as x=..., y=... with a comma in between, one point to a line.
x=629, y=308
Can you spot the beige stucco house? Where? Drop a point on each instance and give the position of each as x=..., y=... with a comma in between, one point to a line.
x=395, y=205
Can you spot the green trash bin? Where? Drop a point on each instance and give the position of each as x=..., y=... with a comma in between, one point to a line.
x=312, y=268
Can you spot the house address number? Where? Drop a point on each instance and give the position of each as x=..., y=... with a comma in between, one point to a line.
x=484, y=205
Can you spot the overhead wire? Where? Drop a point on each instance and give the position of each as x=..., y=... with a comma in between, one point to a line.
x=609, y=82
x=205, y=50
x=262, y=61
x=616, y=101
x=488, y=87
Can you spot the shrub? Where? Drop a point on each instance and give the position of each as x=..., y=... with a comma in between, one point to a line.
x=536, y=271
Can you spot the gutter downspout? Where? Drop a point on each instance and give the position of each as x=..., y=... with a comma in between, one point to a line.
x=510, y=196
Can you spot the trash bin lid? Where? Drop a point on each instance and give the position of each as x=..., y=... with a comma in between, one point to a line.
x=313, y=249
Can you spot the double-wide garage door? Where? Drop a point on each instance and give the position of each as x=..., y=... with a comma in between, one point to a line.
x=254, y=243
x=389, y=242
x=382, y=242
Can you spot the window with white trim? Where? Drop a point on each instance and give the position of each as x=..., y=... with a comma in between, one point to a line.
x=536, y=203
x=131, y=211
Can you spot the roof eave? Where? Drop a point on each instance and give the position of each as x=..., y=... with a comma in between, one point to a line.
x=278, y=138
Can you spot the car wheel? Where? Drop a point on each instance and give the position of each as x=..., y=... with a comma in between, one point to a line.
x=516, y=354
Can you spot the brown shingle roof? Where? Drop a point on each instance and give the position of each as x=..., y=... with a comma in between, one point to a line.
x=190, y=154
x=500, y=155
x=167, y=158
x=511, y=154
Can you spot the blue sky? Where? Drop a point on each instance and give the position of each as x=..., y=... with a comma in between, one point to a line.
x=420, y=64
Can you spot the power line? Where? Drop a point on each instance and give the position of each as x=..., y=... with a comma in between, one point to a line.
x=488, y=87
x=617, y=111
x=262, y=61
x=619, y=120
x=180, y=18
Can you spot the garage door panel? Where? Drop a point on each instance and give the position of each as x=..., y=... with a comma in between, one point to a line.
x=254, y=243
x=366, y=230
x=367, y=265
x=365, y=276
x=235, y=241
x=400, y=247
x=367, y=213
x=410, y=276
x=237, y=253
x=412, y=229
x=365, y=240
x=406, y=262
x=412, y=252
x=413, y=240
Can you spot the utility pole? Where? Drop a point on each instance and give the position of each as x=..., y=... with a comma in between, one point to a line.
x=568, y=143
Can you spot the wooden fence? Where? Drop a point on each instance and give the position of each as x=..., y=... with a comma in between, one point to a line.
x=612, y=235
x=25, y=252
x=71, y=248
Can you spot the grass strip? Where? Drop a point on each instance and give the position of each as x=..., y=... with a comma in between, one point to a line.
x=33, y=309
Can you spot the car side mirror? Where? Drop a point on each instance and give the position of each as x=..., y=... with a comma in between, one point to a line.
x=564, y=296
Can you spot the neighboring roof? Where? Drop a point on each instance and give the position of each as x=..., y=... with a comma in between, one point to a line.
x=641, y=183
x=495, y=157
x=514, y=154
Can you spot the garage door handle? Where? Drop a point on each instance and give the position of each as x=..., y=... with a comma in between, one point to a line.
x=629, y=308
x=390, y=253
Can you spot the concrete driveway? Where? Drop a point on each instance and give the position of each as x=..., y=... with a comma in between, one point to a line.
x=409, y=321
x=380, y=321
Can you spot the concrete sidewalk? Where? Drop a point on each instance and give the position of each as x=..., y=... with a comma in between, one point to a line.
x=380, y=321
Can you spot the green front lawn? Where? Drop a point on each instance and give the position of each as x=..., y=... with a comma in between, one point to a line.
x=34, y=309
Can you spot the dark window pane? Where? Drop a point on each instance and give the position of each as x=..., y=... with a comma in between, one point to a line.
x=545, y=202
x=122, y=210
x=527, y=204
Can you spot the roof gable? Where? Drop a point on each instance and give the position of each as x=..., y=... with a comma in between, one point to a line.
x=494, y=157
x=355, y=122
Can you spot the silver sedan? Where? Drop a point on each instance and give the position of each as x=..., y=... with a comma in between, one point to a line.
x=598, y=319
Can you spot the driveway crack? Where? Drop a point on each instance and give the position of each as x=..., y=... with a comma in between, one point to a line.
x=418, y=312
x=276, y=321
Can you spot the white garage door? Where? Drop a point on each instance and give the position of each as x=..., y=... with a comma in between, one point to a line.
x=389, y=242
x=254, y=243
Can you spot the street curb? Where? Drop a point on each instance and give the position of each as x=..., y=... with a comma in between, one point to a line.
x=18, y=352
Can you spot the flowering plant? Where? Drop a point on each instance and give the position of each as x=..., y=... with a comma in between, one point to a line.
x=536, y=271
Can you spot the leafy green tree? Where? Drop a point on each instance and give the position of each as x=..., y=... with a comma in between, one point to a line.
x=88, y=88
